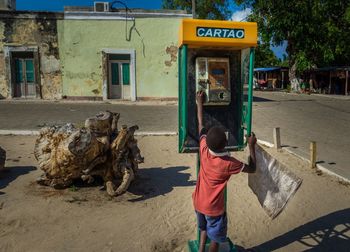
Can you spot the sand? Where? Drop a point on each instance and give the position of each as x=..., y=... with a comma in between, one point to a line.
x=156, y=214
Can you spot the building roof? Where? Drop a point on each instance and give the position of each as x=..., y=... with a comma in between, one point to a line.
x=81, y=12
x=327, y=69
x=267, y=69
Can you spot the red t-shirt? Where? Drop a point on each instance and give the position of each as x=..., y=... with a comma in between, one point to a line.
x=215, y=171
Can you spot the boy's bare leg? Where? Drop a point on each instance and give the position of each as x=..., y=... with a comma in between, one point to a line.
x=203, y=241
x=214, y=246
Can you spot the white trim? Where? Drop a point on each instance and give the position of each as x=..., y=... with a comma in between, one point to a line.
x=132, y=53
x=268, y=144
x=81, y=15
x=37, y=132
x=219, y=154
x=99, y=17
x=8, y=49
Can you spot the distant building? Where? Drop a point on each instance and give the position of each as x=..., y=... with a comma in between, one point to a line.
x=7, y=4
x=331, y=80
x=95, y=53
x=29, y=56
x=272, y=77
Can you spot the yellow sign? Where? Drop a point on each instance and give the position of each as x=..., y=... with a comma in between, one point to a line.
x=214, y=33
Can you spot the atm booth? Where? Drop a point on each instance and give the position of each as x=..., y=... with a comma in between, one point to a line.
x=218, y=58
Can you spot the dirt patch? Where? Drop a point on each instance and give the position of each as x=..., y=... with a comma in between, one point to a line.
x=156, y=213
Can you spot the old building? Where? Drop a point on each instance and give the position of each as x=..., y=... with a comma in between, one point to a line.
x=89, y=53
x=29, y=56
x=7, y=4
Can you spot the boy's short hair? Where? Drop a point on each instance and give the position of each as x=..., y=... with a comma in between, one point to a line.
x=216, y=139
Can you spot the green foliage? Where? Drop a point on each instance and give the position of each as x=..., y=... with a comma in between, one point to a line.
x=205, y=9
x=264, y=56
x=317, y=31
x=73, y=188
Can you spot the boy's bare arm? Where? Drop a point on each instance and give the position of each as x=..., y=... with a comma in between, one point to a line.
x=199, y=99
x=251, y=167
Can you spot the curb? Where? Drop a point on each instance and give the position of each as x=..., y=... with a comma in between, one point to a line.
x=20, y=132
x=318, y=166
x=174, y=133
x=330, y=96
x=36, y=133
x=105, y=102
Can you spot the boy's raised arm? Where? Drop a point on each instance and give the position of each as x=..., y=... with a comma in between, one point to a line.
x=251, y=167
x=199, y=99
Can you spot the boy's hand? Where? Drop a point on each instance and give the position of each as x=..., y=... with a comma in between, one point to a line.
x=251, y=140
x=251, y=167
x=200, y=97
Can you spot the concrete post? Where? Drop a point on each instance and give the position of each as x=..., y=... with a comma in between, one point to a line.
x=330, y=82
x=313, y=154
x=346, y=82
x=277, y=138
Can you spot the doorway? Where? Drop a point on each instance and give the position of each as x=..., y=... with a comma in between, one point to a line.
x=119, y=76
x=24, y=84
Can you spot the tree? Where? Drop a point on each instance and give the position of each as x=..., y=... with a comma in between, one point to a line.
x=205, y=9
x=317, y=31
x=265, y=57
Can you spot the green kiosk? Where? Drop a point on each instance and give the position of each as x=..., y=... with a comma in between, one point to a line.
x=216, y=57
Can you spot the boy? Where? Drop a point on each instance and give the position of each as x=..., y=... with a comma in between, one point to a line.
x=216, y=167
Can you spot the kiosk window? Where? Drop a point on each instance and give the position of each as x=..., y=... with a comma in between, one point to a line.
x=218, y=71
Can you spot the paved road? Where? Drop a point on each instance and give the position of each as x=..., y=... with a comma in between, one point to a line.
x=302, y=118
x=17, y=115
x=305, y=118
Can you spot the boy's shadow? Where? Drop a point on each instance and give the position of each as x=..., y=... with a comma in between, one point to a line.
x=152, y=182
x=10, y=174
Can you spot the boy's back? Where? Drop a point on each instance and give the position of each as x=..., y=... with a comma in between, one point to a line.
x=216, y=167
x=215, y=171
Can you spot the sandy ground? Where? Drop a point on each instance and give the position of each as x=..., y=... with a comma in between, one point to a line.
x=156, y=214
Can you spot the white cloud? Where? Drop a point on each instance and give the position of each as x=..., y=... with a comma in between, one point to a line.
x=241, y=15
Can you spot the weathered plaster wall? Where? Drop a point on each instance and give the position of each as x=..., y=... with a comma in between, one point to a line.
x=33, y=29
x=81, y=43
x=4, y=91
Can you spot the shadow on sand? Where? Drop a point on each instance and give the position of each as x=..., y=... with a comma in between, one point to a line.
x=10, y=174
x=328, y=233
x=257, y=99
x=152, y=182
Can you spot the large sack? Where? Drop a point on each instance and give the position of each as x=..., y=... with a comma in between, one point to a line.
x=272, y=183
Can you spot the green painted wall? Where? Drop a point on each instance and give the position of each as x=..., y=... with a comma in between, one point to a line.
x=81, y=43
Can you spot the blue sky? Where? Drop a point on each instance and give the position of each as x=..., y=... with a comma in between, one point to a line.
x=57, y=5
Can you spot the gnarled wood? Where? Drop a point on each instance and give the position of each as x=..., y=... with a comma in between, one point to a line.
x=66, y=153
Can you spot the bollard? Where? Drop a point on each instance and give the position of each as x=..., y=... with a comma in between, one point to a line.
x=277, y=138
x=313, y=154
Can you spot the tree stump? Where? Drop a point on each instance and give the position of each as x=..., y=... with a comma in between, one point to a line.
x=67, y=153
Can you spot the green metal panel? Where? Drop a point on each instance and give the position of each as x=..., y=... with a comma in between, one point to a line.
x=250, y=92
x=193, y=246
x=126, y=73
x=115, y=73
x=245, y=115
x=29, y=71
x=182, y=96
x=19, y=70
